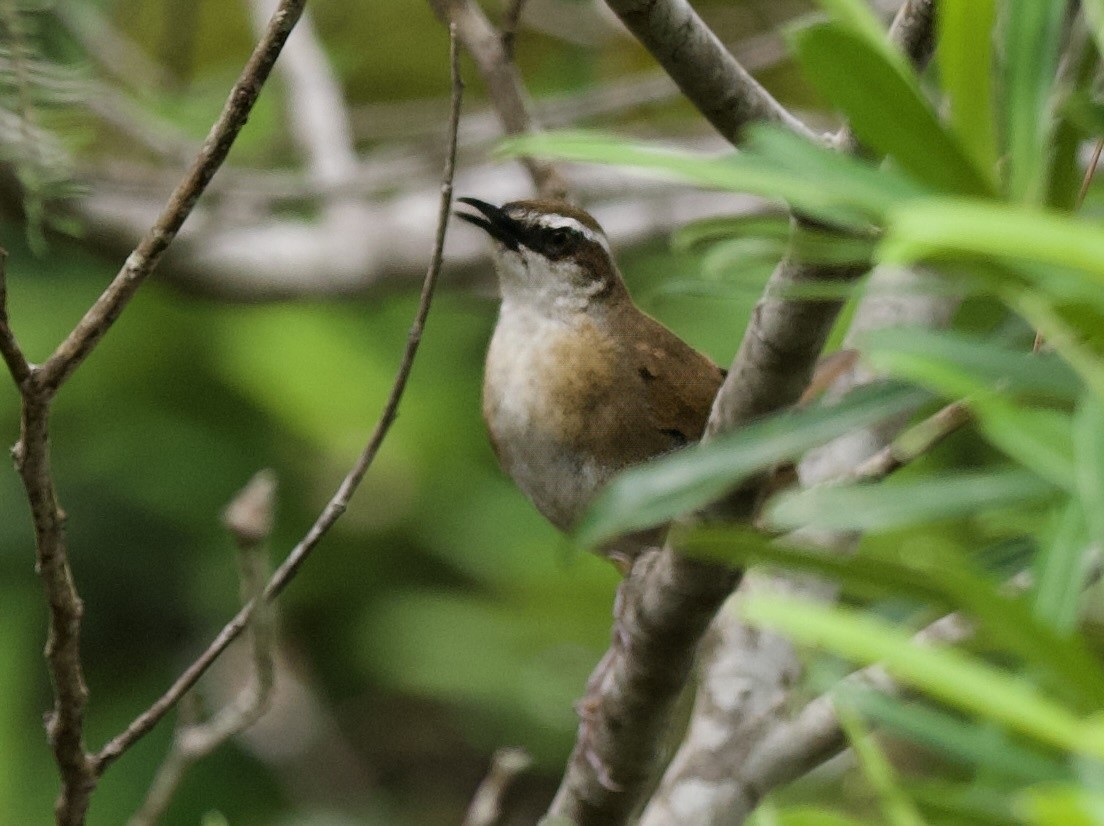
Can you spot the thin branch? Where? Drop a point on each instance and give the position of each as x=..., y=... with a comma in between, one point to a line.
x=488, y=802
x=340, y=500
x=9, y=347
x=912, y=444
x=667, y=602
x=142, y=261
x=503, y=82
x=249, y=520
x=511, y=19
x=706, y=72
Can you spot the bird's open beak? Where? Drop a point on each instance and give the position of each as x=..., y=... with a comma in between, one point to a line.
x=494, y=221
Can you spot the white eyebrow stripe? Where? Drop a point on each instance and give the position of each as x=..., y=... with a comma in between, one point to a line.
x=567, y=222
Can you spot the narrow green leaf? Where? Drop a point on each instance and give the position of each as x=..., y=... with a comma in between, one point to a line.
x=688, y=479
x=965, y=57
x=1066, y=340
x=1031, y=49
x=895, y=804
x=884, y=506
x=971, y=744
x=952, y=228
x=885, y=107
x=981, y=362
x=927, y=575
x=948, y=675
x=1039, y=438
x=1088, y=439
x=711, y=230
x=856, y=203
x=1060, y=571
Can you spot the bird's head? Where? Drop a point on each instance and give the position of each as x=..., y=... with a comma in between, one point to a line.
x=549, y=254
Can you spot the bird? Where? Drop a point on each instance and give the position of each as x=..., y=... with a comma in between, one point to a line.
x=579, y=382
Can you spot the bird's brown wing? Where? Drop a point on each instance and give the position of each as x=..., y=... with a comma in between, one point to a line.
x=679, y=384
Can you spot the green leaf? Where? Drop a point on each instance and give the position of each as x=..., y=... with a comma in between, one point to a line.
x=948, y=675
x=899, y=503
x=1039, y=438
x=885, y=107
x=959, y=228
x=850, y=196
x=1088, y=439
x=921, y=355
x=1094, y=15
x=1031, y=48
x=1060, y=571
x=711, y=230
x=681, y=482
x=927, y=575
x=1061, y=805
x=969, y=743
x=965, y=57
x=895, y=804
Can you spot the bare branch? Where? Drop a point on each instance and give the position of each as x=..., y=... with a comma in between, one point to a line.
x=9, y=347
x=142, y=261
x=116, y=54
x=249, y=520
x=487, y=804
x=503, y=82
x=705, y=71
x=340, y=500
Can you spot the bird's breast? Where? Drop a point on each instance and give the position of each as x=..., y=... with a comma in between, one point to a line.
x=547, y=395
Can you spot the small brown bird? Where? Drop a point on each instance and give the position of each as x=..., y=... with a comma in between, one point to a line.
x=580, y=383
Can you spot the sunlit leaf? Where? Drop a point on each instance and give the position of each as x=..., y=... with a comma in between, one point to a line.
x=946, y=228
x=1061, y=805
x=885, y=107
x=965, y=62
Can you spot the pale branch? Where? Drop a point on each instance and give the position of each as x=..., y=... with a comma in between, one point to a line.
x=248, y=518
x=503, y=82
x=488, y=803
x=340, y=500
x=666, y=603
x=316, y=112
x=145, y=257
x=706, y=72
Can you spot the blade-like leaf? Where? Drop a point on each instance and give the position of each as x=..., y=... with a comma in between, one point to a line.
x=927, y=575
x=950, y=228
x=982, y=362
x=895, y=804
x=856, y=202
x=885, y=107
x=965, y=66
x=1088, y=439
x=681, y=482
x=948, y=675
x=900, y=503
x=1031, y=48
x=965, y=741
x=1060, y=571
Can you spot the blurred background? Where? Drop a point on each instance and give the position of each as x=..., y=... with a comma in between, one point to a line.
x=442, y=617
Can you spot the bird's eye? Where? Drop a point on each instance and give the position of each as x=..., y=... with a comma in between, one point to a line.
x=558, y=240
